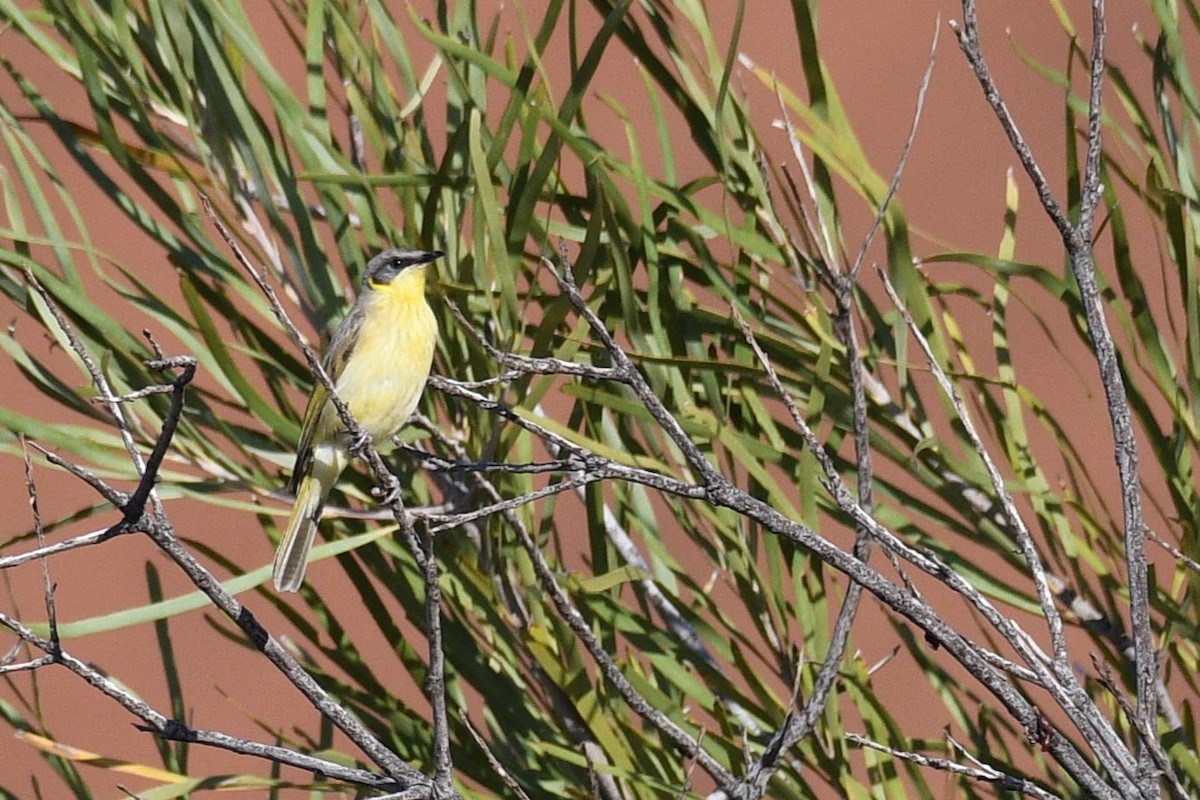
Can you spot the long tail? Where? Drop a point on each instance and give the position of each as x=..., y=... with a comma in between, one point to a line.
x=291, y=559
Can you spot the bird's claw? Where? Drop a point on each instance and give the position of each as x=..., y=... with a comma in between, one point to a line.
x=358, y=441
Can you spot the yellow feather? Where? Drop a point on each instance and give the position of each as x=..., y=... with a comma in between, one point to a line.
x=379, y=360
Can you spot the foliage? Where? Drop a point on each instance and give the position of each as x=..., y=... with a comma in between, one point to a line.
x=454, y=132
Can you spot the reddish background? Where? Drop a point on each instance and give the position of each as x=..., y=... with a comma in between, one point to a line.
x=953, y=194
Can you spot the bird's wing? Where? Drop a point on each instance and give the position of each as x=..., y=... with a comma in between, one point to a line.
x=341, y=348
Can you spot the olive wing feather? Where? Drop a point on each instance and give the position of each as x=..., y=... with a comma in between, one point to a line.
x=317, y=414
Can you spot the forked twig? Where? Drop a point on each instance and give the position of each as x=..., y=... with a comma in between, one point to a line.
x=982, y=772
x=1077, y=241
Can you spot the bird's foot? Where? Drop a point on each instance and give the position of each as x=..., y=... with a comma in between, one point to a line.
x=358, y=442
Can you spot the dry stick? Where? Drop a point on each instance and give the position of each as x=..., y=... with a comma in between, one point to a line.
x=114, y=496
x=530, y=365
x=47, y=584
x=679, y=626
x=27, y=666
x=1012, y=515
x=1081, y=709
x=455, y=389
x=1161, y=760
x=118, y=499
x=596, y=468
x=167, y=728
x=717, y=490
x=74, y=543
x=969, y=654
x=804, y=722
x=435, y=681
x=1095, y=620
x=447, y=522
x=98, y=379
x=437, y=463
x=679, y=737
x=1078, y=243
x=1175, y=552
x=898, y=173
x=797, y=726
x=593, y=467
x=671, y=731
x=987, y=774
x=676, y=623
x=685, y=742
x=497, y=766
x=968, y=42
x=877, y=390
x=135, y=506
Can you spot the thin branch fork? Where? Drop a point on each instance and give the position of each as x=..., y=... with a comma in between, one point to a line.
x=801, y=723
x=982, y=773
x=1077, y=241
x=157, y=723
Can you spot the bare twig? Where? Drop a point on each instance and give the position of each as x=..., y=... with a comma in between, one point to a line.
x=446, y=522
x=493, y=762
x=1012, y=515
x=117, y=498
x=968, y=42
x=801, y=724
x=136, y=504
x=435, y=681
x=28, y=666
x=163, y=534
x=1073, y=698
x=161, y=725
x=567, y=611
x=983, y=773
x=527, y=365
x=98, y=378
x=74, y=543
x=1077, y=241
x=1175, y=552
x=894, y=184
x=1147, y=736
x=47, y=584
x=436, y=463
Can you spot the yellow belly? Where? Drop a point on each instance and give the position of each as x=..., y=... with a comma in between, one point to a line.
x=383, y=381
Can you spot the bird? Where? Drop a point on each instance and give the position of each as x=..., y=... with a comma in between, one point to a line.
x=378, y=360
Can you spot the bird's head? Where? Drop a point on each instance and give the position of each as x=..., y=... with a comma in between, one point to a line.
x=389, y=265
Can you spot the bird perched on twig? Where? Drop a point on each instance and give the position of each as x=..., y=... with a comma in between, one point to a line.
x=379, y=359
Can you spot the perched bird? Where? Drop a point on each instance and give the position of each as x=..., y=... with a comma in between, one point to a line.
x=378, y=360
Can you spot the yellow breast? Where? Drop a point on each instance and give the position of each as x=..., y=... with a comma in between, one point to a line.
x=384, y=378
